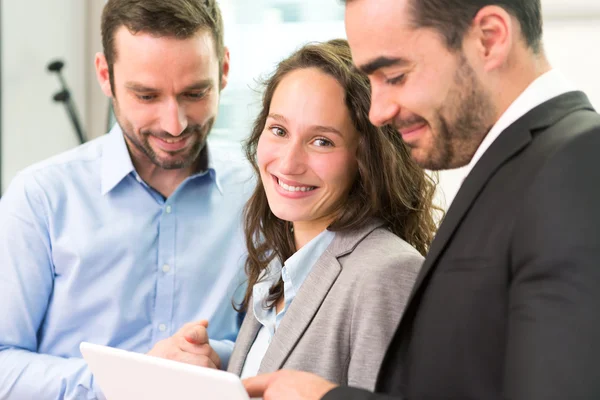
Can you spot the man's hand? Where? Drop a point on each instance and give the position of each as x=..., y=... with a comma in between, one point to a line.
x=189, y=345
x=288, y=385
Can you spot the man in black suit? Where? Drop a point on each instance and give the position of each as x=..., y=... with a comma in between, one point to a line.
x=507, y=304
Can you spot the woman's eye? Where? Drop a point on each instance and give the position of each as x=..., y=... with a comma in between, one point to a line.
x=322, y=142
x=277, y=131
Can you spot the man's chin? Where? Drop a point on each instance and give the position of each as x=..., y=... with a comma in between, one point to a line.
x=171, y=160
x=173, y=164
x=419, y=156
x=426, y=160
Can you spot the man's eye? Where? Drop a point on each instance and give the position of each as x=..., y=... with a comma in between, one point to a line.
x=197, y=95
x=395, y=80
x=146, y=97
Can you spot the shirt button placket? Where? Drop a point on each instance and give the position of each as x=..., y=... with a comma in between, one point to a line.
x=165, y=290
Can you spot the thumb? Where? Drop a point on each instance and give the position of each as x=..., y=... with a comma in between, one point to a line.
x=197, y=334
x=203, y=322
x=257, y=385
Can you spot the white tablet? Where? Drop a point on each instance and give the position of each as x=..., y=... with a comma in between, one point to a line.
x=124, y=375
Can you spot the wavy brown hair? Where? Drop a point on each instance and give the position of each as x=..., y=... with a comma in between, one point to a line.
x=389, y=184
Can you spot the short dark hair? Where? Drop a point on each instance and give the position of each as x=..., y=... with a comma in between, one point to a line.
x=175, y=18
x=390, y=185
x=452, y=18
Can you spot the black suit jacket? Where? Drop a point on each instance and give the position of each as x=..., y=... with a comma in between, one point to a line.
x=507, y=304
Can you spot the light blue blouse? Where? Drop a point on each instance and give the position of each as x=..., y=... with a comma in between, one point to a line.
x=293, y=272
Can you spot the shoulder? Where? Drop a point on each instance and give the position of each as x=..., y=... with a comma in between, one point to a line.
x=570, y=136
x=229, y=162
x=382, y=255
x=68, y=162
x=572, y=157
x=57, y=170
x=559, y=209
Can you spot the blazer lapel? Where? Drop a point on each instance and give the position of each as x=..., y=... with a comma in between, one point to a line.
x=244, y=341
x=510, y=142
x=310, y=297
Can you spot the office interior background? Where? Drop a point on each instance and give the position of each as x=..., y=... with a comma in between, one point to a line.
x=258, y=34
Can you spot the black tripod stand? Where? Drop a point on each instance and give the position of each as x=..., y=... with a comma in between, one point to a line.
x=64, y=96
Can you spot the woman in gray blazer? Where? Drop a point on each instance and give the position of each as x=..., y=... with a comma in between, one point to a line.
x=336, y=228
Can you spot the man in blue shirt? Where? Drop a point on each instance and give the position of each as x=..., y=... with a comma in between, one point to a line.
x=127, y=238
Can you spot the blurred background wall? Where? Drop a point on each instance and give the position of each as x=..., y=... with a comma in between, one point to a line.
x=258, y=33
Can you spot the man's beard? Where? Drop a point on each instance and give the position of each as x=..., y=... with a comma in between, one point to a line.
x=178, y=159
x=461, y=124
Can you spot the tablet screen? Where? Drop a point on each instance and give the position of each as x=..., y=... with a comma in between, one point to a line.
x=125, y=375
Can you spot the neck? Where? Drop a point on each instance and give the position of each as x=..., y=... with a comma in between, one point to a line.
x=305, y=231
x=516, y=78
x=166, y=181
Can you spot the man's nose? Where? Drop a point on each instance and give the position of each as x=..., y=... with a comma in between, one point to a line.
x=383, y=106
x=174, y=119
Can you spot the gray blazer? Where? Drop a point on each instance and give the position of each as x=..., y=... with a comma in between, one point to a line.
x=344, y=315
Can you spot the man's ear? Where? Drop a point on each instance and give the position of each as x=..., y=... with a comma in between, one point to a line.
x=492, y=33
x=225, y=69
x=102, y=74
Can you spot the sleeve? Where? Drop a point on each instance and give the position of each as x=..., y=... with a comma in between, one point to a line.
x=350, y=393
x=383, y=292
x=553, y=343
x=26, y=284
x=223, y=348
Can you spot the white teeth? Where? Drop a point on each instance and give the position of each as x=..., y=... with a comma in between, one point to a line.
x=295, y=188
x=174, y=140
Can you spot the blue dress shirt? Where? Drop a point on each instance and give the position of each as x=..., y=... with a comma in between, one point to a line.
x=89, y=252
x=293, y=273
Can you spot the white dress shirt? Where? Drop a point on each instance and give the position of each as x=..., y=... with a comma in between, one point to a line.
x=547, y=86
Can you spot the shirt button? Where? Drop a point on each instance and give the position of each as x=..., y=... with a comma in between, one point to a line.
x=166, y=268
x=168, y=209
x=162, y=327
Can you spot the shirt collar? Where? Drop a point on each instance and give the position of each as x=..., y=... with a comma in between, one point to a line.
x=545, y=87
x=214, y=167
x=116, y=161
x=297, y=268
x=117, y=164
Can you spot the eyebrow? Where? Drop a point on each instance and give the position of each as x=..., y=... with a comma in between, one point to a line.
x=382, y=62
x=139, y=88
x=318, y=128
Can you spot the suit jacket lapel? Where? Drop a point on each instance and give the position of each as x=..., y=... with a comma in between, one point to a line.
x=395, y=369
x=510, y=142
x=244, y=341
x=310, y=297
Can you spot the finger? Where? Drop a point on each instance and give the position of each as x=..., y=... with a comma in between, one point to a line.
x=194, y=347
x=201, y=322
x=204, y=361
x=195, y=334
x=194, y=359
x=256, y=386
x=202, y=350
x=189, y=325
x=204, y=323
